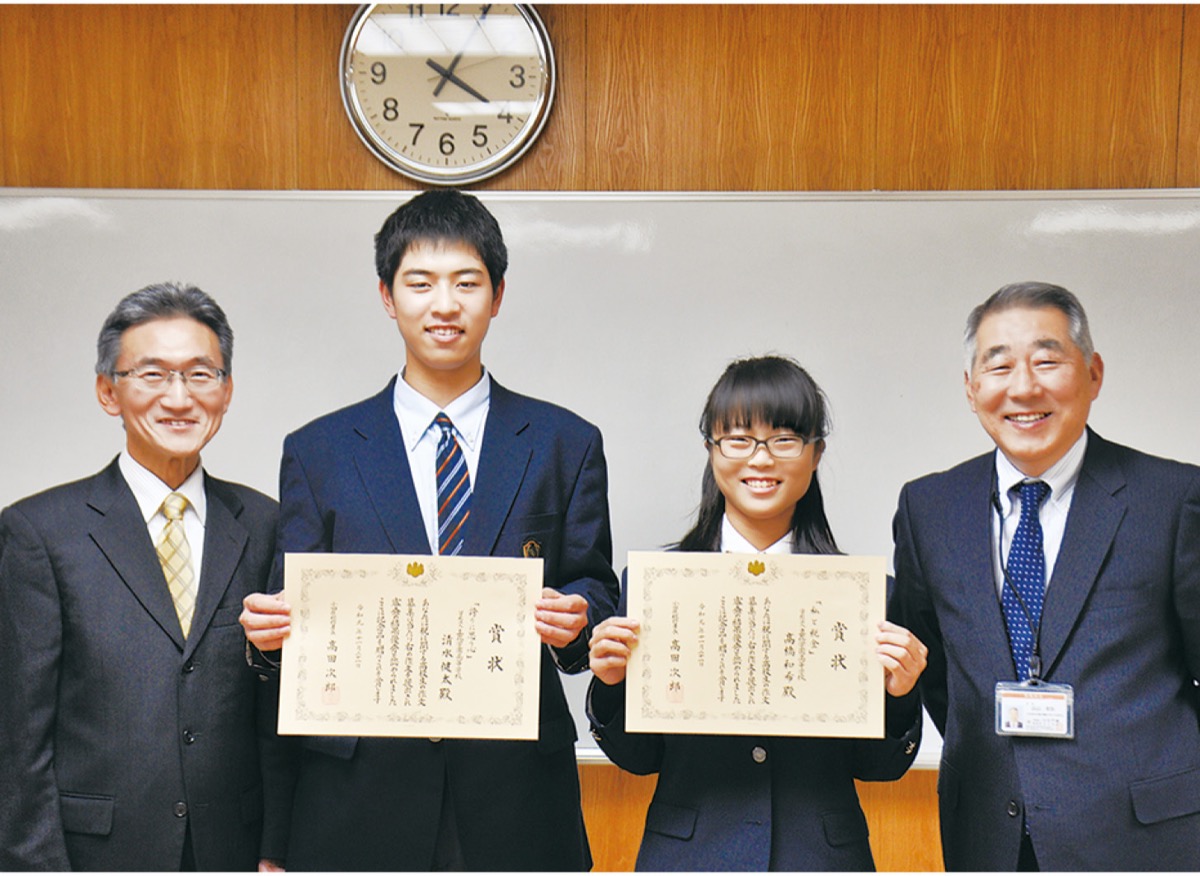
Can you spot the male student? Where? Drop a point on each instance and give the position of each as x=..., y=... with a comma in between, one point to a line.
x=528, y=479
x=1058, y=576
x=127, y=714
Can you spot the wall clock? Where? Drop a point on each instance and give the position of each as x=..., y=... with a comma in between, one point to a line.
x=447, y=93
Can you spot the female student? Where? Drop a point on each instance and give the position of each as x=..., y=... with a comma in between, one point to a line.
x=758, y=803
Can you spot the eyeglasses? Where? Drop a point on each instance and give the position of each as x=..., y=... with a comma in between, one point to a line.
x=745, y=446
x=198, y=380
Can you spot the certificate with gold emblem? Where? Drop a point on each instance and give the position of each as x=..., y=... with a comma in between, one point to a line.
x=756, y=644
x=387, y=645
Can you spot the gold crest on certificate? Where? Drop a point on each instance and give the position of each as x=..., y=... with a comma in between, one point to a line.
x=386, y=645
x=756, y=644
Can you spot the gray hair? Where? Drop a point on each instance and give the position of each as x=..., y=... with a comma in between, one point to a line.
x=161, y=301
x=1034, y=296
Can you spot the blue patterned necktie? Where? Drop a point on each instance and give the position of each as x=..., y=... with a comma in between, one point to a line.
x=453, y=489
x=1027, y=575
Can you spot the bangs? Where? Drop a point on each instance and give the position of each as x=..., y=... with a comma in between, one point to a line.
x=771, y=390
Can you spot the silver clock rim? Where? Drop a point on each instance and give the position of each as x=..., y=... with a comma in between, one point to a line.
x=493, y=165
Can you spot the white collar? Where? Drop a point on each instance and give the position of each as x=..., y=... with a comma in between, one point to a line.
x=733, y=542
x=1061, y=476
x=468, y=412
x=149, y=490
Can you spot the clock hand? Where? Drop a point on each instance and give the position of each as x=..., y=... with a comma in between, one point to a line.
x=445, y=74
x=449, y=75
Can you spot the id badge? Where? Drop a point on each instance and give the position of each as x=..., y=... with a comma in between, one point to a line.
x=1024, y=709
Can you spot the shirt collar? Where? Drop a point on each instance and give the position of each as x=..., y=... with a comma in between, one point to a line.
x=1061, y=476
x=416, y=413
x=149, y=490
x=733, y=542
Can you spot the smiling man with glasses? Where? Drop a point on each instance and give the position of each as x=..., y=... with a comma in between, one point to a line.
x=128, y=719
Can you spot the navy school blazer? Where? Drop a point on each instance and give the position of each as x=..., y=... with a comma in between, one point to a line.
x=752, y=803
x=374, y=804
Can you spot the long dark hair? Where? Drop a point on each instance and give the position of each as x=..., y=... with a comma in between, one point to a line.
x=777, y=392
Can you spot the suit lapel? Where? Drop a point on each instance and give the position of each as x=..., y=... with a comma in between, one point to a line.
x=121, y=535
x=224, y=542
x=383, y=469
x=1095, y=515
x=972, y=533
x=503, y=460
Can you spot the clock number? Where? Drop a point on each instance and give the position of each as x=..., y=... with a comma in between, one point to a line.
x=417, y=10
x=480, y=138
x=391, y=109
x=518, y=72
x=378, y=72
x=506, y=117
x=417, y=133
x=446, y=143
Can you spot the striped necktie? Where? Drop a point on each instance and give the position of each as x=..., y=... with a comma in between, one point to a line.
x=175, y=555
x=453, y=489
x=1026, y=578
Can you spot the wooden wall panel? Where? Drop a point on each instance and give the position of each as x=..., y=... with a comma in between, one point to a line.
x=148, y=96
x=1025, y=97
x=731, y=97
x=904, y=827
x=1188, y=165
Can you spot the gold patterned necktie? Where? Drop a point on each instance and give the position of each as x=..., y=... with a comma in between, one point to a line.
x=176, y=558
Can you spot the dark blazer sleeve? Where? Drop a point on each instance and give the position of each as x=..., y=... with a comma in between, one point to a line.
x=586, y=565
x=638, y=753
x=913, y=608
x=31, y=831
x=1187, y=577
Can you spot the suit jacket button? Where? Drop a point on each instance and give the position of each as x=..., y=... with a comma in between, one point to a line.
x=759, y=754
x=189, y=666
x=1014, y=808
x=188, y=737
x=180, y=810
x=596, y=734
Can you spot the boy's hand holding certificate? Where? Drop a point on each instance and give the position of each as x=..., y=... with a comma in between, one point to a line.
x=386, y=645
x=756, y=644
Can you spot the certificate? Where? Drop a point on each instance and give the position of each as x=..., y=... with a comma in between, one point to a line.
x=756, y=644
x=387, y=645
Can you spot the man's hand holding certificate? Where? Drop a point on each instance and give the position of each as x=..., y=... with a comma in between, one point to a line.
x=756, y=644
x=385, y=645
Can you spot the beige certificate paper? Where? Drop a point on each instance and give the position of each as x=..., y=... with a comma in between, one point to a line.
x=386, y=645
x=756, y=644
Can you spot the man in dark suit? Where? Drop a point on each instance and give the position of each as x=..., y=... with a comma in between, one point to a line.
x=128, y=719
x=1060, y=567
x=365, y=479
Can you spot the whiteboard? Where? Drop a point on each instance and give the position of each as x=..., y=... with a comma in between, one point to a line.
x=622, y=307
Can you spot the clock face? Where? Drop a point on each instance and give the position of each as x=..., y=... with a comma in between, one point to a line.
x=447, y=93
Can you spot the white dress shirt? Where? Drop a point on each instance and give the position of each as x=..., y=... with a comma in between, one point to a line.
x=416, y=414
x=149, y=492
x=1062, y=477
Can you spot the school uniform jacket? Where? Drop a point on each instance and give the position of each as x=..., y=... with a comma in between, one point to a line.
x=752, y=803
x=374, y=804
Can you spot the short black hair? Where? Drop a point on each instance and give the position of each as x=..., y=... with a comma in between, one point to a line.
x=441, y=216
x=162, y=301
